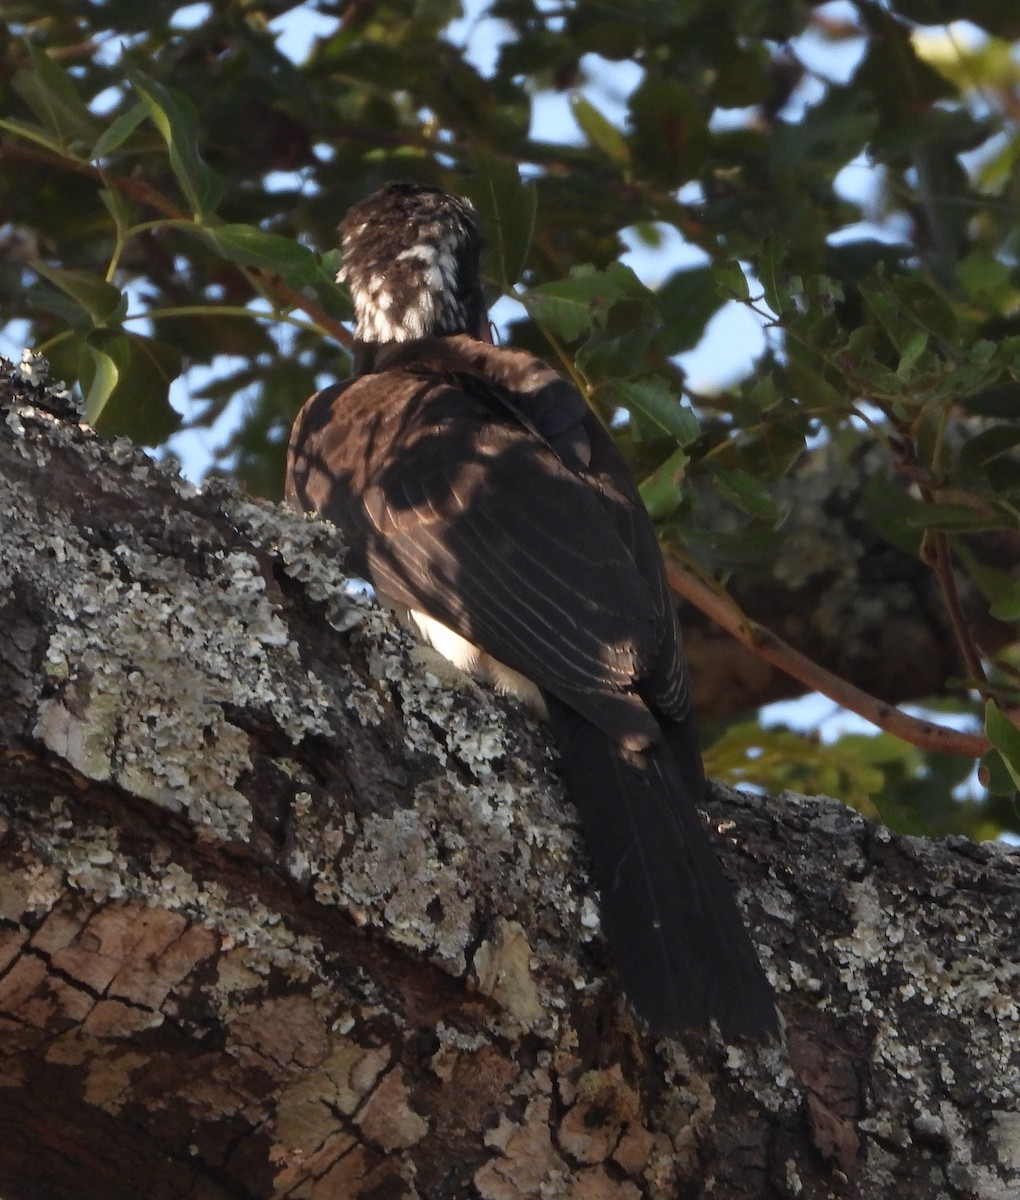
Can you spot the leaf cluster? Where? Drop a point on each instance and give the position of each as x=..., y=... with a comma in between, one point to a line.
x=171, y=186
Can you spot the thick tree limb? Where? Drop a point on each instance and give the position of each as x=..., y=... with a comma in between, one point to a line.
x=284, y=914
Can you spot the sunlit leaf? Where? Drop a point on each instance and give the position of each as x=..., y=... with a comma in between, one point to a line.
x=99, y=377
x=1005, y=737
x=249, y=246
x=570, y=307
x=777, y=757
x=659, y=409
x=599, y=130
x=177, y=121
x=661, y=490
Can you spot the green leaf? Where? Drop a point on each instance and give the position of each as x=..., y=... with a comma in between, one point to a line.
x=746, y=492
x=956, y=518
x=117, y=206
x=126, y=380
x=99, y=382
x=31, y=133
x=562, y=307
x=506, y=208
x=661, y=490
x=810, y=386
x=571, y=307
x=51, y=94
x=177, y=121
x=606, y=357
x=888, y=507
x=731, y=280
x=914, y=346
x=989, y=445
x=669, y=136
x=331, y=296
x=901, y=519
x=770, y=270
x=599, y=130
x=770, y=452
x=686, y=302
x=923, y=301
x=1005, y=737
x=888, y=315
x=101, y=301
x=1007, y=606
x=329, y=264
x=249, y=246
x=658, y=408
x=118, y=131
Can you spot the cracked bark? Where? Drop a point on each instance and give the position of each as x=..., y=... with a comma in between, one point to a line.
x=287, y=912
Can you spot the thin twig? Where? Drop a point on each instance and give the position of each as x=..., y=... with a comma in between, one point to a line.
x=137, y=189
x=761, y=641
x=144, y=193
x=941, y=562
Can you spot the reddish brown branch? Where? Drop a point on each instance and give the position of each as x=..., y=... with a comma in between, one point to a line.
x=294, y=298
x=924, y=734
x=137, y=189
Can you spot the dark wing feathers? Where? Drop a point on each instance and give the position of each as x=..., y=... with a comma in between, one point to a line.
x=474, y=484
x=468, y=528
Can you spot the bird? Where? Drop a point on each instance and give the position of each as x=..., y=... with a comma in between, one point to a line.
x=489, y=506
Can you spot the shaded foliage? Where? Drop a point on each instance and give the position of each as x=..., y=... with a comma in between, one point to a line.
x=170, y=193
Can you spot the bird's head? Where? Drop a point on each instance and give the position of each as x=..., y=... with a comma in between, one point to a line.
x=410, y=260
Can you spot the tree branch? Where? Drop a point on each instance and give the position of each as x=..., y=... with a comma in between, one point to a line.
x=941, y=562
x=282, y=913
x=923, y=734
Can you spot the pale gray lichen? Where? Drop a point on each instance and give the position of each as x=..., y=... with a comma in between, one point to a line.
x=146, y=669
x=417, y=870
x=312, y=552
x=144, y=659
x=94, y=865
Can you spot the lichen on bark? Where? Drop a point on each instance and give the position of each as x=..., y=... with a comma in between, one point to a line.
x=287, y=909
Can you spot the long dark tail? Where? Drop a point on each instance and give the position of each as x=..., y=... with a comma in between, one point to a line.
x=673, y=927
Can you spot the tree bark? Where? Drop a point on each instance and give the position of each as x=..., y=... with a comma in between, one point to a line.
x=289, y=909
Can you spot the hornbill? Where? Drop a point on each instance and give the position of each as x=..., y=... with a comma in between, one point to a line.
x=489, y=506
